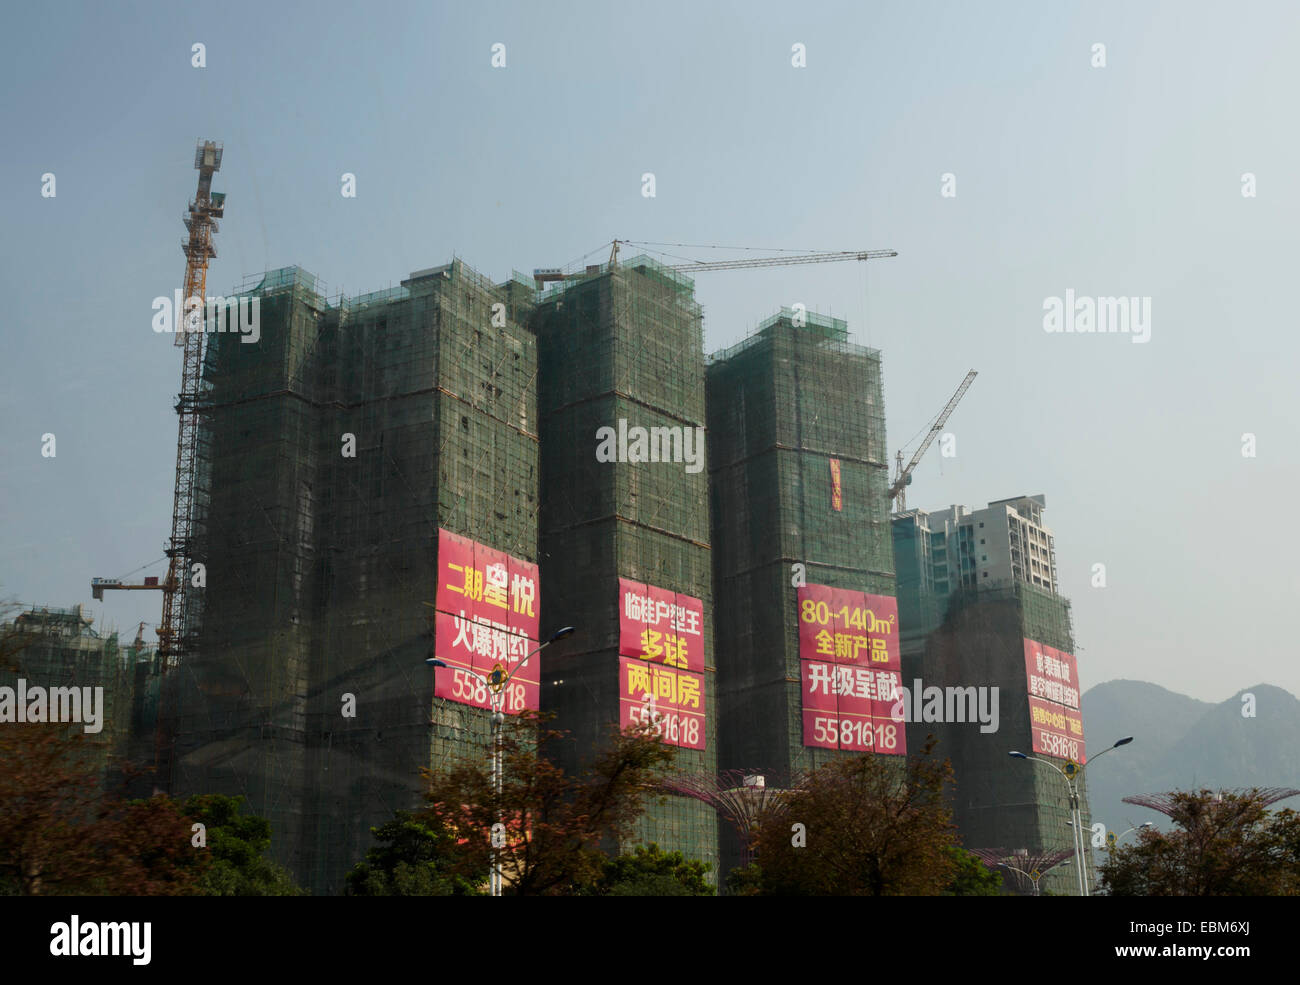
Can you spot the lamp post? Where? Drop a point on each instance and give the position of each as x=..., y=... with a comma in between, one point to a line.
x=1069, y=773
x=496, y=685
x=1144, y=824
x=1031, y=876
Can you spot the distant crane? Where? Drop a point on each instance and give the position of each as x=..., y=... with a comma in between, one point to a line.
x=789, y=260
x=543, y=275
x=903, y=478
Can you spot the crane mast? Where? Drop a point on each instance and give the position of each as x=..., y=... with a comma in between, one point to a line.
x=201, y=222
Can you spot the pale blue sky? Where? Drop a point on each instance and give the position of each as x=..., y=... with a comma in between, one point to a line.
x=1122, y=180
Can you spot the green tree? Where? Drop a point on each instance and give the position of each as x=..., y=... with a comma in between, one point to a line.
x=417, y=856
x=553, y=824
x=970, y=876
x=60, y=836
x=237, y=845
x=652, y=872
x=1226, y=844
x=861, y=826
x=745, y=881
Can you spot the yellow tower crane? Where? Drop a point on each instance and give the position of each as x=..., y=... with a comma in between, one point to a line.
x=201, y=223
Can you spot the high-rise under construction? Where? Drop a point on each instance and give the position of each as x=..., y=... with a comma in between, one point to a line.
x=457, y=468
x=799, y=481
x=980, y=606
x=625, y=545
x=338, y=451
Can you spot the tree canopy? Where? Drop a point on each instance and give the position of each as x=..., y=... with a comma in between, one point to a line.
x=861, y=826
x=649, y=871
x=555, y=829
x=1225, y=844
x=416, y=856
x=237, y=844
x=61, y=835
x=554, y=826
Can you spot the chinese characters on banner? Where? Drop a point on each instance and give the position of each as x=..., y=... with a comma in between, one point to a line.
x=1054, y=718
x=487, y=615
x=837, y=498
x=661, y=662
x=851, y=670
x=658, y=625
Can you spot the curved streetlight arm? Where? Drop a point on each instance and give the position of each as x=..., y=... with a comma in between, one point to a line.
x=1045, y=762
x=559, y=634
x=1097, y=757
x=1121, y=742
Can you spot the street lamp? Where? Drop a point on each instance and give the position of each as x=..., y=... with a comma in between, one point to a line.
x=1069, y=774
x=1031, y=876
x=1144, y=824
x=496, y=685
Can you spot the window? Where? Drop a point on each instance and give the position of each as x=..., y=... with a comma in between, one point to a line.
x=981, y=540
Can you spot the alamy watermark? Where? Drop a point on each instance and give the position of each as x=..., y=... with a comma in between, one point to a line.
x=683, y=445
x=1098, y=315
x=23, y=705
x=102, y=939
x=947, y=704
x=223, y=314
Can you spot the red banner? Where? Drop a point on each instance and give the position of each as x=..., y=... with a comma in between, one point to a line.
x=487, y=619
x=487, y=585
x=848, y=627
x=465, y=645
x=672, y=700
x=851, y=670
x=660, y=626
x=1056, y=725
x=1051, y=674
x=1057, y=731
x=847, y=707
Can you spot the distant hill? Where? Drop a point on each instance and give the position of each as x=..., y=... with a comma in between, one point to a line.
x=1181, y=743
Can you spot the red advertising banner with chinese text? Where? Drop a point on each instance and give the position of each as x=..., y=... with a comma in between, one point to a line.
x=1057, y=730
x=488, y=617
x=1051, y=674
x=1056, y=725
x=661, y=626
x=465, y=645
x=671, y=699
x=487, y=585
x=851, y=670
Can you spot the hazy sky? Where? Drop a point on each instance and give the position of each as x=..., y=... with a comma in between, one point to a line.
x=1123, y=180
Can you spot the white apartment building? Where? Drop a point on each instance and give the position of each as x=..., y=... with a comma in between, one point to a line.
x=958, y=547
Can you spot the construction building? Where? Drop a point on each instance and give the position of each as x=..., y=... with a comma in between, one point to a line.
x=799, y=493
x=621, y=348
x=973, y=587
x=50, y=647
x=332, y=452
